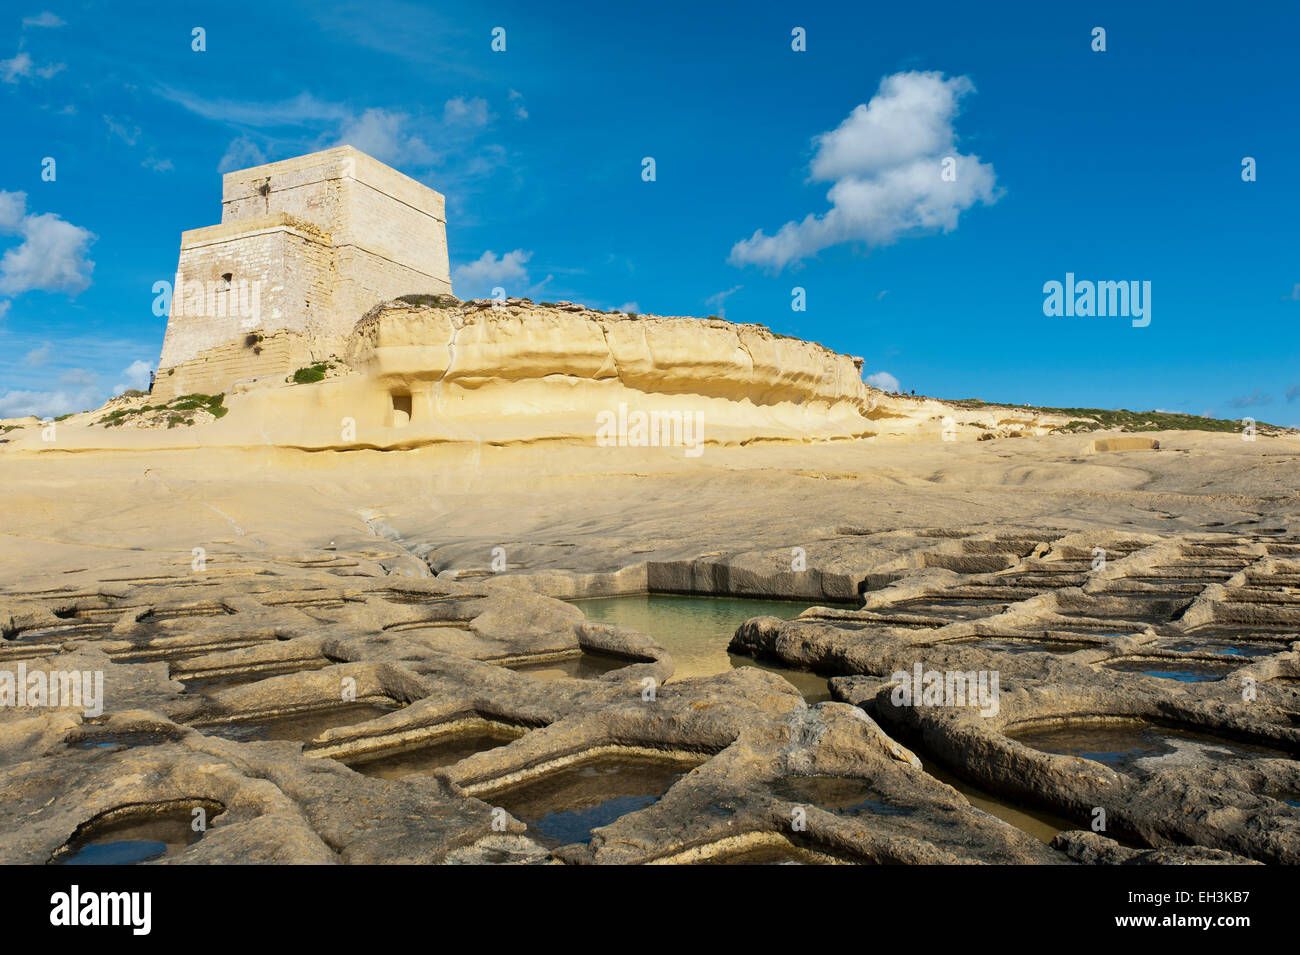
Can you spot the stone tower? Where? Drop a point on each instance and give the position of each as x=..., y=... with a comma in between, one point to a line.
x=305, y=247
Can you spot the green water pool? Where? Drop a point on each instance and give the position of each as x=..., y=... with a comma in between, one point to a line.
x=697, y=630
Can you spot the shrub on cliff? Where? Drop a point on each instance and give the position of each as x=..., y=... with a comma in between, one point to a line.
x=311, y=374
x=436, y=301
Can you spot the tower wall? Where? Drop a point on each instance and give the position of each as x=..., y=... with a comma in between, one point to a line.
x=304, y=249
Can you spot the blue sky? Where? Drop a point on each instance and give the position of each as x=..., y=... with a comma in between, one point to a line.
x=1117, y=165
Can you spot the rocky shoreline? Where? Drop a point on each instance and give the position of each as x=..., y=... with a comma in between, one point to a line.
x=255, y=687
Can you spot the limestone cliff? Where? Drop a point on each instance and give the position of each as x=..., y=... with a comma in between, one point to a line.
x=517, y=372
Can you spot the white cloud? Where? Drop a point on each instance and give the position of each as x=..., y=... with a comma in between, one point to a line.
x=22, y=66
x=882, y=380
x=489, y=271
x=719, y=300
x=885, y=163
x=38, y=356
x=43, y=404
x=13, y=206
x=128, y=134
x=241, y=154
x=301, y=110
x=77, y=396
x=466, y=112
x=629, y=308
x=517, y=98
x=4, y=308
x=387, y=137
x=12, y=69
x=52, y=256
x=136, y=375
x=46, y=19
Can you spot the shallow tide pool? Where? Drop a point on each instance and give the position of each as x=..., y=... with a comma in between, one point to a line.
x=696, y=630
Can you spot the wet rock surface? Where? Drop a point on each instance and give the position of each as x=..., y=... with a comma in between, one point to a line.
x=334, y=706
x=1146, y=684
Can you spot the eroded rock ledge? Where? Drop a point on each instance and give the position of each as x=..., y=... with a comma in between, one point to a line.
x=516, y=372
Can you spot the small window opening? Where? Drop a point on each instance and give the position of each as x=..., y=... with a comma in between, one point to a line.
x=401, y=409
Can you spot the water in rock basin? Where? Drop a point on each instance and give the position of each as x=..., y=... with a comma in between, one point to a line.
x=1042, y=825
x=135, y=838
x=564, y=806
x=426, y=756
x=841, y=795
x=302, y=726
x=1137, y=747
x=697, y=630
x=1163, y=668
x=583, y=666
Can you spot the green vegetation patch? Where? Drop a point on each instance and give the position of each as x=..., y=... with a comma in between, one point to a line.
x=212, y=404
x=1084, y=420
x=312, y=373
x=434, y=301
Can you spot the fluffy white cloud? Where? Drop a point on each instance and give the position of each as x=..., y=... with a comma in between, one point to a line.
x=629, y=308
x=78, y=391
x=387, y=136
x=886, y=167
x=488, y=271
x=13, y=206
x=882, y=380
x=52, y=256
x=136, y=375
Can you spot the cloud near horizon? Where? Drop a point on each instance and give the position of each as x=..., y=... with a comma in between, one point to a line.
x=885, y=163
x=883, y=380
x=477, y=279
x=78, y=390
